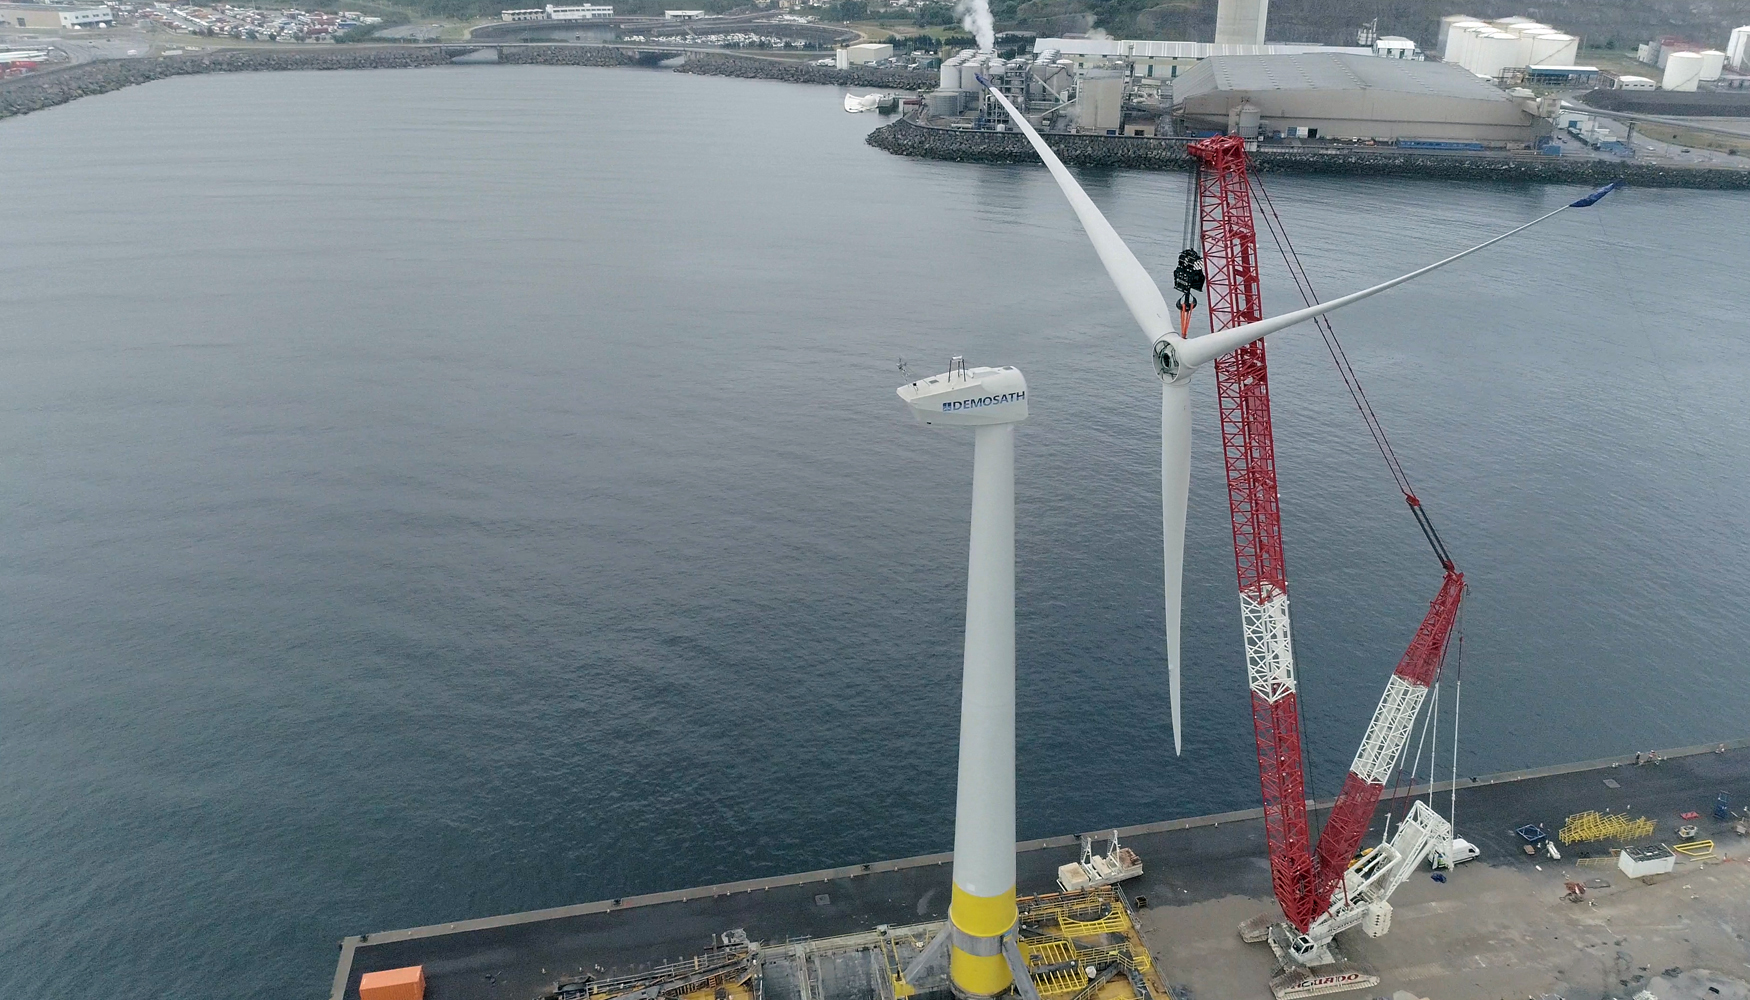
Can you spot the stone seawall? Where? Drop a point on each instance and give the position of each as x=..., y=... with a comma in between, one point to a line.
x=719, y=64
x=565, y=55
x=907, y=138
x=36, y=91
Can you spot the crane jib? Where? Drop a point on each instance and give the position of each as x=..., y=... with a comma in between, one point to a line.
x=1305, y=885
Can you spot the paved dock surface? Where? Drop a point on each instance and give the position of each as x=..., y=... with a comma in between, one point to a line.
x=1499, y=927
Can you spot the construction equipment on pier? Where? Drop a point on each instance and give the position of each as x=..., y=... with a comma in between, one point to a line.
x=1591, y=826
x=1114, y=866
x=729, y=970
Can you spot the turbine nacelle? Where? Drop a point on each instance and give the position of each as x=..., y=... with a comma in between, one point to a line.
x=968, y=397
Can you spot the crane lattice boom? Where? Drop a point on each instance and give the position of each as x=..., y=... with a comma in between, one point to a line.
x=1306, y=886
x=1230, y=257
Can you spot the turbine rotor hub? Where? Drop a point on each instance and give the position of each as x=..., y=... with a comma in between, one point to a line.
x=1167, y=360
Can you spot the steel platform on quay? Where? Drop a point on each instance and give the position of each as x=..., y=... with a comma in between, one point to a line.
x=1499, y=926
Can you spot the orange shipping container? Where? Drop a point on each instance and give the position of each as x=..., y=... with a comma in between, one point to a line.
x=394, y=984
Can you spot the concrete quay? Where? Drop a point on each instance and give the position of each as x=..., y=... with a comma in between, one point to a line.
x=1499, y=927
x=906, y=137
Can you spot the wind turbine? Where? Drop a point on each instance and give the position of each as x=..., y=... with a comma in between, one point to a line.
x=1177, y=358
x=982, y=918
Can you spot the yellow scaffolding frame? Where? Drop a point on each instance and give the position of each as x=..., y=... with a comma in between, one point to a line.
x=1592, y=825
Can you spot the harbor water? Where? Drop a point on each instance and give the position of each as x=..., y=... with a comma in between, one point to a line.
x=434, y=493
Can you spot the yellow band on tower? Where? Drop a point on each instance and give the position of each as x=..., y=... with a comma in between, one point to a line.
x=983, y=916
x=977, y=975
x=987, y=918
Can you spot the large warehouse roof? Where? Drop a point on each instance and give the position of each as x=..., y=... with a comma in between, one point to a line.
x=1333, y=71
x=1352, y=96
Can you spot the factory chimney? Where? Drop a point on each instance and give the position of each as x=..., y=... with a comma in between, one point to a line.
x=1240, y=22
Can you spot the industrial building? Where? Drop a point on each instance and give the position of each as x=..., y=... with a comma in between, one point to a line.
x=587, y=12
x=49, y=16
x=1145, y=61
x=1335, y=96
x=863, y=54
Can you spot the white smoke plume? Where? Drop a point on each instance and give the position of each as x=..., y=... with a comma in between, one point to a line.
x=975, y=17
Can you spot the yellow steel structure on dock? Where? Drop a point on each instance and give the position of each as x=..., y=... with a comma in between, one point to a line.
x=1590, y=826
x=1062, y=937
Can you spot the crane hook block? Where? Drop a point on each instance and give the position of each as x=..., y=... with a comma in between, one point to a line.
x=1188, y=275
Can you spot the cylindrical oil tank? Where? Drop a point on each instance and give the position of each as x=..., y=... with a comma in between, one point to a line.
x=942, y=103
x=1250, y=117
x=1475, y=41
x=1713, y=64
x=1500, y=50
x=1568, y=54
x=1521, y=50
x=1545, y=47
x=1447, y=23
x=1457, y=40
x=1683, y=72
x=1476, y=49
x=951, y=74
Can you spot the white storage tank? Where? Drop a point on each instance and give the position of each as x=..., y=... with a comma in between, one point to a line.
x=1567, y=55
x=1458, y=41
x=951, y=73
x=1544, y=47
x=1447, y=23
x=1713, y=64
x=1738, y=48
x=969, y=72
x=1496, y=51
x=1488, y=52
x=1249, y=118
x=1682, y=72
x=1464, y=42
x=942, y=103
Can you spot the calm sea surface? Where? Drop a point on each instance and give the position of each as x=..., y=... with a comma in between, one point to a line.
x=436, y=493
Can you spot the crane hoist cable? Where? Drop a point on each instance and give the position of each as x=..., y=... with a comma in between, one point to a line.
x=1303, y=284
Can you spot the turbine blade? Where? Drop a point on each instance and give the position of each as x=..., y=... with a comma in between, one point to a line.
x=1139, y=291
x=1201, y=350
x=1175, y=494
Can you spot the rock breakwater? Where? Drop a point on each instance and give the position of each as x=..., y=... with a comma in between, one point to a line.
x=36, y=91
x=718, y=64
x=907, y=138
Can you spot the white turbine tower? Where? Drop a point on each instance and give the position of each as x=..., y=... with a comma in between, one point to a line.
x=1177, y=358
x=981, y=914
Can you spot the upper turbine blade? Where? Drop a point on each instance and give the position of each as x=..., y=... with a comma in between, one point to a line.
x=1175, y=490
x=1138, y=290
x=1201, y=350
